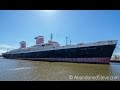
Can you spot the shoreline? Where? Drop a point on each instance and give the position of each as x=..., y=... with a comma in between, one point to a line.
x=115, y=60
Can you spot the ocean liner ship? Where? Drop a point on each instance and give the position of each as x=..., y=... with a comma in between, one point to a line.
x=98, y=52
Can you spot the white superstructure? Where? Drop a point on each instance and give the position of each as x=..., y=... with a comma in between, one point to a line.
x=52, y=45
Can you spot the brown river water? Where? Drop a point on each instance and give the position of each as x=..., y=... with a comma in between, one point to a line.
x=26, y=70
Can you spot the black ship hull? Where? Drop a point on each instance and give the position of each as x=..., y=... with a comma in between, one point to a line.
x=91, y=54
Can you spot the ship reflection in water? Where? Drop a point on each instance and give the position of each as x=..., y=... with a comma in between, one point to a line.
x=25, y=70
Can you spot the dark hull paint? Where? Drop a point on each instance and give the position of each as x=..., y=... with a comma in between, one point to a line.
x=81, y=54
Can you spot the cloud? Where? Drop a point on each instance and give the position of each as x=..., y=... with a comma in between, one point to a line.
x=2, y=51
x=4, y=48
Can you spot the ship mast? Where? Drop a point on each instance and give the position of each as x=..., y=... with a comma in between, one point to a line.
x=70, y=42
x=66, y=41
x=7, y=49
x=51, y=37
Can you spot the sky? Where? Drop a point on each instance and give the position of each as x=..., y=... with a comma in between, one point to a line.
x=84, y=26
